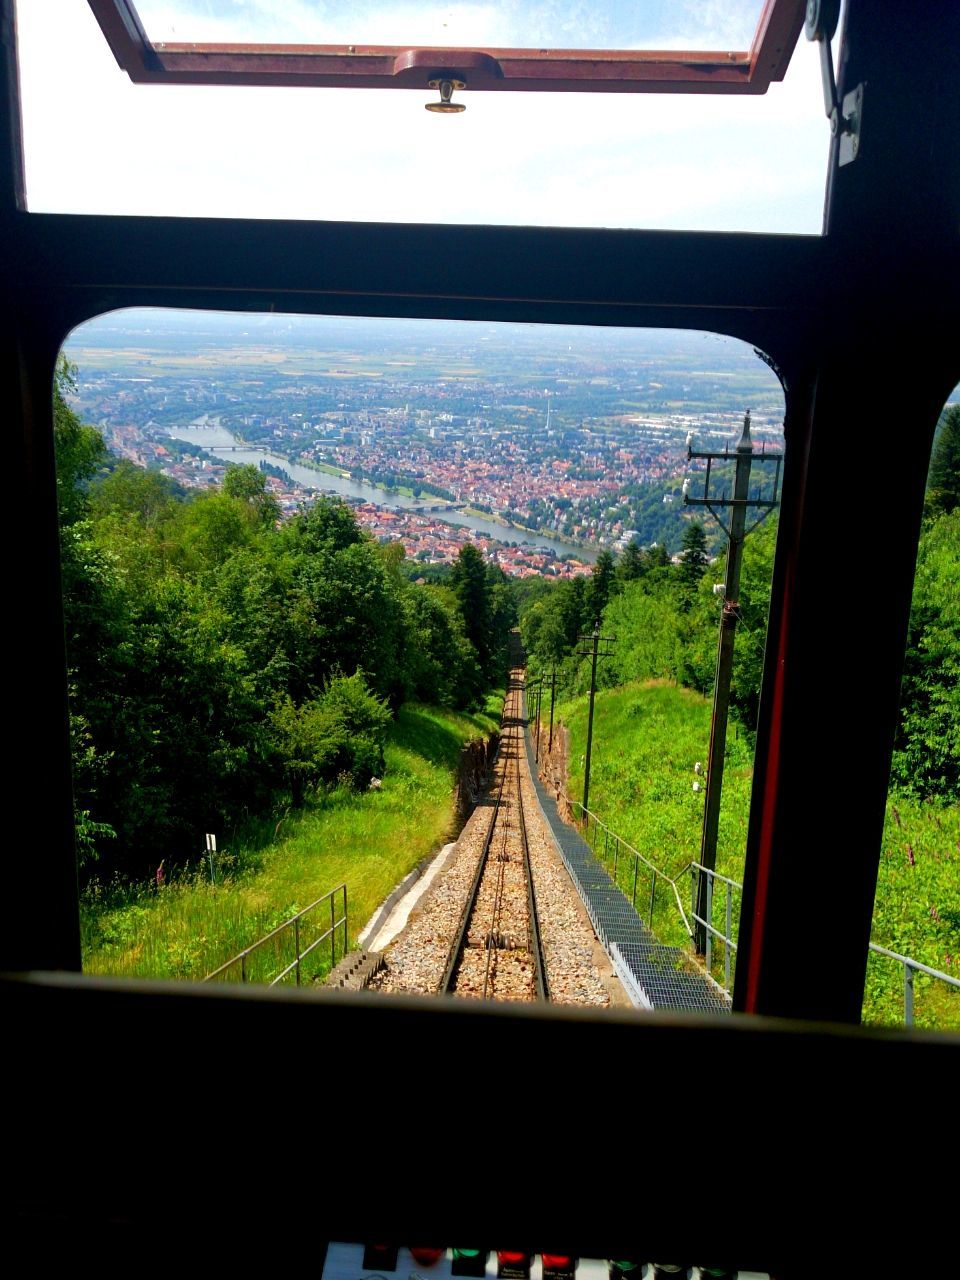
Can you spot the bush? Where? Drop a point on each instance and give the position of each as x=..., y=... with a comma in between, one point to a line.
x=337, y=737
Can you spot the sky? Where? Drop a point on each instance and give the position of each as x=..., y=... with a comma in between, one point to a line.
x=582, y=24
x=96, y=143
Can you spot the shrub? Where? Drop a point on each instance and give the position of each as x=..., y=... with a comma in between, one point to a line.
x=338, y=737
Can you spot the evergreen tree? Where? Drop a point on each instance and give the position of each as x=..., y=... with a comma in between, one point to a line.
x=631, y=564
x=693, y=557
x=943, y=481
x=602, y=586
x=472, y=589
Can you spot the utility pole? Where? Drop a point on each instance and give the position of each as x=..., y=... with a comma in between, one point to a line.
x=536, y=753
x=595, y=640
x=744, y=456
x=553, y=696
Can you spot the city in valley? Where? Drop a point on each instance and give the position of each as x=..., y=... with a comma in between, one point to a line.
x=542, y=444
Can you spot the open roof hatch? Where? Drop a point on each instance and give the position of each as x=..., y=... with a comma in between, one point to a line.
x=342, y=58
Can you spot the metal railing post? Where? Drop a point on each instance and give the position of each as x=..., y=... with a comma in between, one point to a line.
x=653, y=895
x=276, y=939
x=709, y=919
x=616, y=859
x=908, y=995
x=693, y=892
x=636, y=868
x=729, y=939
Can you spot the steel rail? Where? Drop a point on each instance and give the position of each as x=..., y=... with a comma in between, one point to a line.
x=491, y=936
x=534, y=944
x=460, y=938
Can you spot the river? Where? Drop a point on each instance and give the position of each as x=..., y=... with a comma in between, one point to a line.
x=216, y=439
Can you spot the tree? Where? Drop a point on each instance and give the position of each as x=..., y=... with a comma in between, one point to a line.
x=926, y=758
x=503, y=616
x=337, y=737
x=601, y=587
x=249, y=484
x=441, y=662
x=472, y=589
x=349, y=615
x=693, y=558
x=329, y=525
x=80, y=450
x=647, y=628
x=130, y=491
x=631, y=565
x=213, y=527
x=943, y=481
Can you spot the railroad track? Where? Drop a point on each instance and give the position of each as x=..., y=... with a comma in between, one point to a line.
x=497, y=952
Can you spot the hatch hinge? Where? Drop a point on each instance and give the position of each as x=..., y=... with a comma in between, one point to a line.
x=845, y=117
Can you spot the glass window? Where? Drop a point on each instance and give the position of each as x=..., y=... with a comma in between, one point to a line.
x=97, y=143
x=208, y=615
x=491, y=24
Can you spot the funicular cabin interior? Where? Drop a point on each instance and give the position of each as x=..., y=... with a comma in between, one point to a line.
x=862, y=325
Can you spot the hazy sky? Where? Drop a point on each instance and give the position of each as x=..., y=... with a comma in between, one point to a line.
x=97, y=143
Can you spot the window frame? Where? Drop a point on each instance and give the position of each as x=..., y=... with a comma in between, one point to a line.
x=748, y=71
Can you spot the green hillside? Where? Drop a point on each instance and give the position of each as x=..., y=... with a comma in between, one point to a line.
x=648, y=735
x=187, y=927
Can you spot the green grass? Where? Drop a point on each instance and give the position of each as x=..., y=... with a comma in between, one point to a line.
x=917, y=913
x=642, y=788
x=277, y=867
x=647, y=738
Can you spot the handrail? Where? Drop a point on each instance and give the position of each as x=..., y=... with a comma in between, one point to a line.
x=637, y=854
x=916, y=964
x=300, y=955
x=910, y=966
x=698, y=866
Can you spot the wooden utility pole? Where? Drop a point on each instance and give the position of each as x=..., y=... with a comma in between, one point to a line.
x=737, y=531
x=553, y=696
x=595, y=640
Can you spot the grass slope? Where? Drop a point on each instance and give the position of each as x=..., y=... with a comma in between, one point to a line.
x=647, y=737
x=274, y=869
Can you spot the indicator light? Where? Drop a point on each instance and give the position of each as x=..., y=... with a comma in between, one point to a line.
x=428, y=1257
x=469, y=1262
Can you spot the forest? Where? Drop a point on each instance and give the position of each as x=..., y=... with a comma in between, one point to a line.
x=221, y=663
x=665, y=617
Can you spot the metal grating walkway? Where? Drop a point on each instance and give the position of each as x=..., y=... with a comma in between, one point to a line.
x=656, y=976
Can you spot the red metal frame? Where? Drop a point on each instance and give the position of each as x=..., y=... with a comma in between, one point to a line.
x=396, y=67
